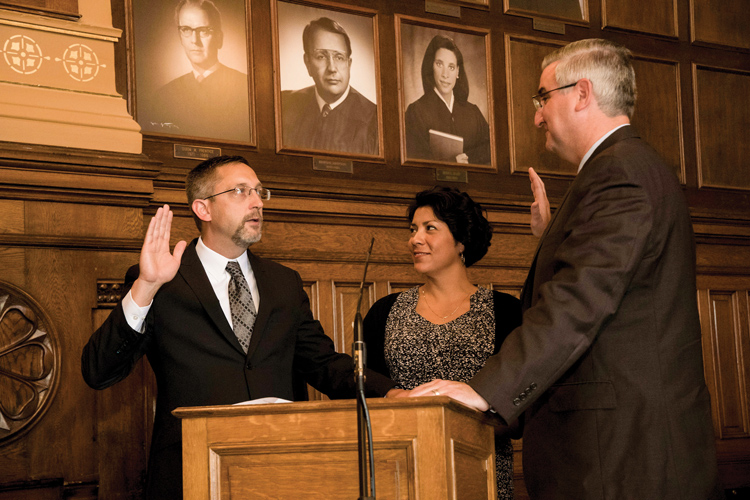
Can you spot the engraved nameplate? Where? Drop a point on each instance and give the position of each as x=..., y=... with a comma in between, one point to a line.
x=333, y=165
x=451, y=175
x=195, y=152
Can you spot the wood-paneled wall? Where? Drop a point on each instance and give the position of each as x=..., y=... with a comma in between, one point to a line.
x=73, y=219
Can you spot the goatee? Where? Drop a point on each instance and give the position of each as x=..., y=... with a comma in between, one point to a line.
x=244, y=237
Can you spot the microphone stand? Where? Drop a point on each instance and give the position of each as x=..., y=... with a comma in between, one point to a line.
x=364, y=428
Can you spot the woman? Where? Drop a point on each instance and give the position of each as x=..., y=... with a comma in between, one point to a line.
x=445, y=108
x=446, y=328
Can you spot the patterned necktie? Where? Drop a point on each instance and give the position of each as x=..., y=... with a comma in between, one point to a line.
x=241, y=305
x=326, y=110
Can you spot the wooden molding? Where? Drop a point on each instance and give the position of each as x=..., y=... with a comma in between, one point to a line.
x=50, y=173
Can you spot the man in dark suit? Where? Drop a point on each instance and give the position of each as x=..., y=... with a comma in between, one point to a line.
x=330, y=115
x=205, y=345
x=606, y=369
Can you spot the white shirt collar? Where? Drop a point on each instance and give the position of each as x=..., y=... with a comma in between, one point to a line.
x=597, y=144
x=449, y=104
x=322, y=102
x=212, y=69
x=215, y=264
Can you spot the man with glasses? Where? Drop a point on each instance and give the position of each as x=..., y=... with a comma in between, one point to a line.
x=606, y=370
x=212, y=99
x=218, y=324
x=330, y=115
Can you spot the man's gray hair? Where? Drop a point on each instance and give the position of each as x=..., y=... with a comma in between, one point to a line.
x=606, y=64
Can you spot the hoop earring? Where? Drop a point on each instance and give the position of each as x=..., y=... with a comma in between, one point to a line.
x=463, y=259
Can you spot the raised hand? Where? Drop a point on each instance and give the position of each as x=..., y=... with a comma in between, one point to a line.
x=540, y=211
x=157, y=264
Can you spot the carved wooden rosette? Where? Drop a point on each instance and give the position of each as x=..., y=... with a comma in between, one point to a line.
x=29, y=362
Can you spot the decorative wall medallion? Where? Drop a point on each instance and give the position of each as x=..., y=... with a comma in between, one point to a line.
x=22, y=54
x=29, y=362
x=81, y=62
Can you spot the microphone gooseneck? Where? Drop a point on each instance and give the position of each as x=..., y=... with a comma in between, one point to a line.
x=364, y=427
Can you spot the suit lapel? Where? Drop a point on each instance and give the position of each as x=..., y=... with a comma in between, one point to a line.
x=194, y=274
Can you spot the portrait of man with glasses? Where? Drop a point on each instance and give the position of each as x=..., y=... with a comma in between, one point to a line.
x=330, y=115
x=211, y=98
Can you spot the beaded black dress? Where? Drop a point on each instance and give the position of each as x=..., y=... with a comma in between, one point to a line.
x=413, y=351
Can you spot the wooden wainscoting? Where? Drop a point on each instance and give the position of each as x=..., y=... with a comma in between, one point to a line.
x=724, y=304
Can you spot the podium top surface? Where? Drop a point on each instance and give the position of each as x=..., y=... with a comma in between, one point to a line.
x=374, y=404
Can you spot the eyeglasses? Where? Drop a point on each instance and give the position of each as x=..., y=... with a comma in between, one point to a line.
x=203, y=31
x=242, y=192
x=541, y=98
x=320, y=55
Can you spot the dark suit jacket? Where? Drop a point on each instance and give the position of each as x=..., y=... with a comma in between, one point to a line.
x=351, y=127
x=198, y=361
x=607, y=365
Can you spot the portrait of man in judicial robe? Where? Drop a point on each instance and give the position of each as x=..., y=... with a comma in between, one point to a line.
x=191, y=68
x=328, y=98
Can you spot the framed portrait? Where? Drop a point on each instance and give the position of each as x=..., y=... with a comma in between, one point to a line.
x=191, y=69
x=446, y=98
x=327, y=80
x=576, y=11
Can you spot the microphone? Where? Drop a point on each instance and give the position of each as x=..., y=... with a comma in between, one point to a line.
x=364, y=434
x=359, y=350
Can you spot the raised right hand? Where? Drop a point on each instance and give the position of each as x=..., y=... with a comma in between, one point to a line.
x=540, y=211
x=157, y=264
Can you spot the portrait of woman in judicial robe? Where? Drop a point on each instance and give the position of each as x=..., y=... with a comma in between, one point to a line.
x=445, y=93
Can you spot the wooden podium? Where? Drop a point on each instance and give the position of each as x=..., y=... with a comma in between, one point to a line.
x=428, y=448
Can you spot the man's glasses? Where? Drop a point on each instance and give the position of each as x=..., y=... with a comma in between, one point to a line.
x=242, y=192
x=203, y=31
x=541, y=98
x=320, y=55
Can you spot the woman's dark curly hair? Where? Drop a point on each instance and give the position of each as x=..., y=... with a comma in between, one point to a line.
x=464, y=217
